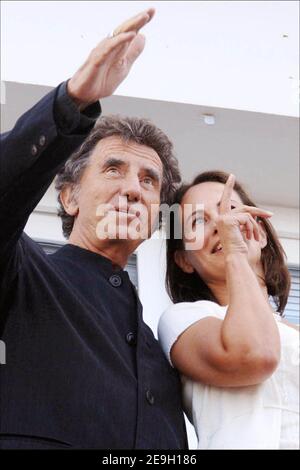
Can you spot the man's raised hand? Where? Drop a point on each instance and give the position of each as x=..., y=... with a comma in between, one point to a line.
x=109, y=62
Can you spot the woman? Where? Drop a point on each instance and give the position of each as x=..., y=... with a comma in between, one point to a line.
x=238, y=359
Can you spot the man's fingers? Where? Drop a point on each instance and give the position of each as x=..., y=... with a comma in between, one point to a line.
x=121, y=38
x=110, y=47
x=135, y=23
x=135, y=48
x=151, y=13
x=127, y=52
x=225, y=204
x=116, y=46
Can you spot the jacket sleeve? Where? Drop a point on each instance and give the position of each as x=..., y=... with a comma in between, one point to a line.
x=31, y=155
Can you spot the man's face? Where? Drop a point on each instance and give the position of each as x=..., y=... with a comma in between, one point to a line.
x=119, y=192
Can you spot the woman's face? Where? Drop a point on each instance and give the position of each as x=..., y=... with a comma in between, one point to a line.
x=204, y=255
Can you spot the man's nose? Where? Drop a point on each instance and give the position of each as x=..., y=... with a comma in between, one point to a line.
x=131, y=188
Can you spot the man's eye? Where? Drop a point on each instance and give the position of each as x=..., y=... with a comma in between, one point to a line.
x=112, y=171
x=148, y=180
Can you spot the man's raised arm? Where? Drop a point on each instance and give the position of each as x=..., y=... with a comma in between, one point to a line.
x=46, y=135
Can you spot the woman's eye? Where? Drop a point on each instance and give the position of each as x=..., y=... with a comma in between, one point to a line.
x=198, y=220
x=232, y=207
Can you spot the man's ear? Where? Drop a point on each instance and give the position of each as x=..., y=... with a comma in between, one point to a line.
x=68, y=200
x=182, y=262
x=263, y=239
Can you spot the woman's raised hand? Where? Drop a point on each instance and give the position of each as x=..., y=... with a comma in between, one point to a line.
x=233, y=223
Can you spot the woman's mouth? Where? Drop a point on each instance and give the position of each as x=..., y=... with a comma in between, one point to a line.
x=217, y=248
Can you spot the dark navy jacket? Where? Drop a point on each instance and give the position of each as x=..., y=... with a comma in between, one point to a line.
x=82, y=368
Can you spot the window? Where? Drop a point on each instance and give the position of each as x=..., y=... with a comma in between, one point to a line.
x=131, y=268
x=292, y=307
x=291, y=312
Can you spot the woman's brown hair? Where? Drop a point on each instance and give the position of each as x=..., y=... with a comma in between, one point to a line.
x=189, y=287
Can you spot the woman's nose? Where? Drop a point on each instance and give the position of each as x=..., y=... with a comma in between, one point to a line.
x=213, y=223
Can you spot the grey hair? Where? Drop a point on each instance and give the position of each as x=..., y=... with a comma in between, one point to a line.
x=141, y=131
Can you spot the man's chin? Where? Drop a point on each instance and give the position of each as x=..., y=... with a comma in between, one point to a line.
x=124, y=233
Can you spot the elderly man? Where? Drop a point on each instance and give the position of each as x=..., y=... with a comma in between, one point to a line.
x=82, y=368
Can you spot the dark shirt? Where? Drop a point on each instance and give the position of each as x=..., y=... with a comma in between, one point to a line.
x=82, y=368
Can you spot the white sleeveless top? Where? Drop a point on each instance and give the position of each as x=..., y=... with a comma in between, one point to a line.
x=264, y=416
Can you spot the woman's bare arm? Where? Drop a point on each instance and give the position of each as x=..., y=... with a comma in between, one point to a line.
x=244, y=349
